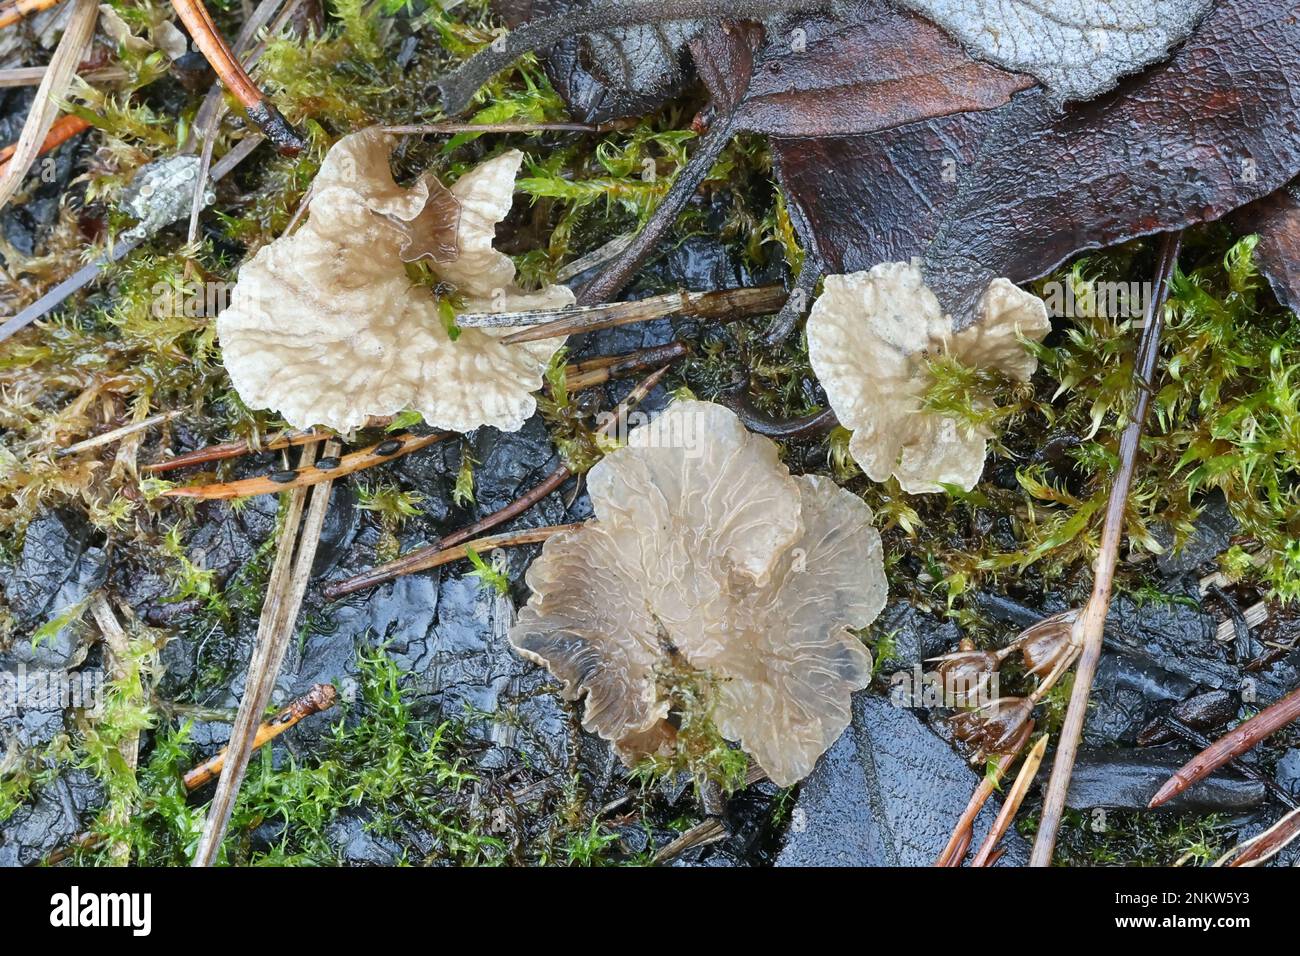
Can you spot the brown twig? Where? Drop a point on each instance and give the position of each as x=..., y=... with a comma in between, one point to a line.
x=64, y=128
x=1198, y=740
x=727, y=305
x=276, y=482
x=1011, y=805
x=11, y=13
x=419, y=559
x=580, y=375
x=1260, y=849
x=116, y=434
x=1089, y=627
x=320, y=697
x=455, y=126
x=1232, y=744
x=959, y=842
x=213, y=46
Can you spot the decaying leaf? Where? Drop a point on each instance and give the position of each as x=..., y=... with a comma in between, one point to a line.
x=326, y=328
x=870, y=338
x=1018, y=190
x=706, y=551
x=1078, y=48
x=1276, y=219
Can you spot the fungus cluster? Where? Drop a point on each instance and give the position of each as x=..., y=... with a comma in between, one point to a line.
x=704, y=551
x=326, y=327
x=871, y=336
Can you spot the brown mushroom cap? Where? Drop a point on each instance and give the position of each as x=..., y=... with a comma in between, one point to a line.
x=870, y=338
x=326, y=328
x=704, y=547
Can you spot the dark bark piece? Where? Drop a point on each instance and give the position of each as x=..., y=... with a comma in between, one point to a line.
x=1276, y=219
x=1184, y=143
x=873, y=68
x=611, y=76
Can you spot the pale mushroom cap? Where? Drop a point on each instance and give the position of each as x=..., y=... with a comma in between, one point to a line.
x=705, y=547
x=326, y=328
x=871, y=336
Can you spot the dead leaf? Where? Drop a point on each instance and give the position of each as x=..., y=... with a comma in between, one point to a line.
x=1276, y=219
x=1079, y=50
x=1018, y=190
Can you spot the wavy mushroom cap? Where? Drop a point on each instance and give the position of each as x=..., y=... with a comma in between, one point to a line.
x=326, y=328
x=705, y=549
x=871, y=336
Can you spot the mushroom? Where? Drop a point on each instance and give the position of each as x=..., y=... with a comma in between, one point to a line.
x=326, y=328
x=704, y=551
x=870, y=336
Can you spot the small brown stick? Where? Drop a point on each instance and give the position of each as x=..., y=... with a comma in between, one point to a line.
x=64, y=128
x=213, y=46
x=1232, y=744
x=11, y=13
x=582, y=375
x=44, y=110
x=960, y=840
x=1201, y=742
x=108, y=437
x=1263, y=847
x=1089, y=627
x=285, y=589
x=727, y=305
x=320, y=697
x=492, y=542
x=1011, y=805
x=418, y=559
x=234, y=449
x=376, y=454
x=434, y=129
x=778, y=429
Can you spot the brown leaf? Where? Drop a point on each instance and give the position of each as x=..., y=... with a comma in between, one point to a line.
x=1029, y=185
x=1276, y=218
x=873, y=69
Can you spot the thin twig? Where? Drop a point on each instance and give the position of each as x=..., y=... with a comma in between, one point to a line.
x=376, y=454
x=11, y=13
x=455, y=126
x=1089, y=627
x=727, y=305
x=213, y=46
x=320, y=697
x=418, y=559
x=1263, y=847
x=1011, y=805
x=45, y=105
x=1232, y=744
x=284, y=594
x=107, y=438
x=62, y=130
